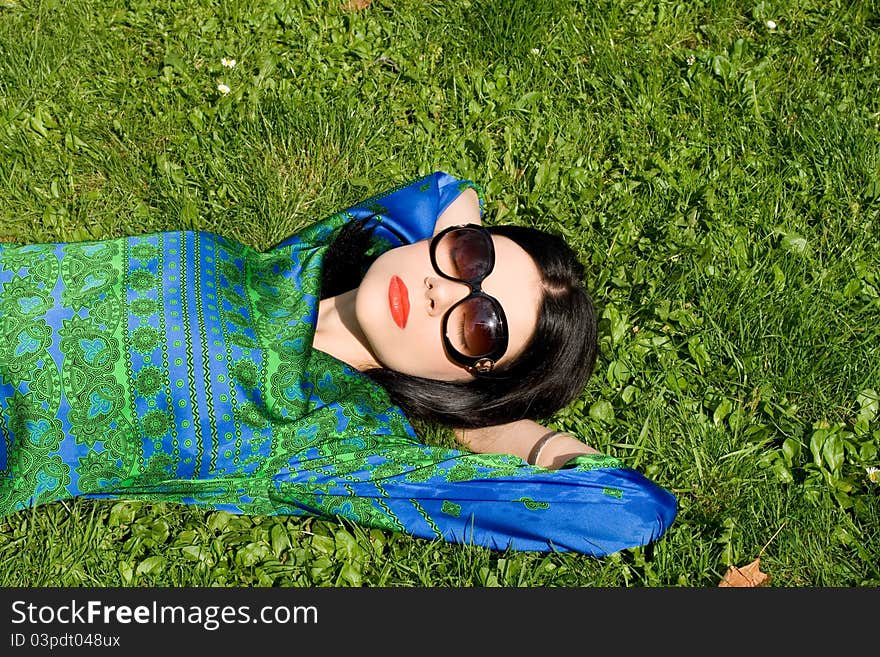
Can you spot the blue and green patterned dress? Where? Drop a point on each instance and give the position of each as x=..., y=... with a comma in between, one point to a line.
x=178, y=366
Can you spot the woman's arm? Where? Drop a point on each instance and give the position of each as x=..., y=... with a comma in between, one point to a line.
x=463, y=210
x=517, y=438
x=520, y=438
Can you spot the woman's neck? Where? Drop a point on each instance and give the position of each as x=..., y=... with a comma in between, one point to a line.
x=338, y=333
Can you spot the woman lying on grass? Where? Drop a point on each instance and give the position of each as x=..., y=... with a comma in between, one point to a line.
x=182, y=366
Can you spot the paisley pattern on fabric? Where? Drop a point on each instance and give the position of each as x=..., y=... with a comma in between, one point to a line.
x=178, y=366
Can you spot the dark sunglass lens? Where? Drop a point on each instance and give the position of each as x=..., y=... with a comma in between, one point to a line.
x=469, y=254
x=475, y=327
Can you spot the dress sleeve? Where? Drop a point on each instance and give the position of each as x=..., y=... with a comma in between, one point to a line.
x=401, y=215
x=408, y=213
x=594, y=506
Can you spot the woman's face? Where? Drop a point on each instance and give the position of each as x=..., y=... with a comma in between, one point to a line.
x=410, y=341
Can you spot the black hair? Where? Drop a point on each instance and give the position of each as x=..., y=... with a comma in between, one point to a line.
x=347, y=258
x=552, y=369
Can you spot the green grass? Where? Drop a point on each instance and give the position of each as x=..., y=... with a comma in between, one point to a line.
x=720, y=179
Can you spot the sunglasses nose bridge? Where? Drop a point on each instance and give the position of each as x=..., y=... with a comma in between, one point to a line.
x=445, y=292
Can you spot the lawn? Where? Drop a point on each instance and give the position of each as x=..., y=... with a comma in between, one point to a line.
x=716, y=165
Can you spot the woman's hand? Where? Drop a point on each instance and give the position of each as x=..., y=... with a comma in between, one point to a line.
x=520, y=438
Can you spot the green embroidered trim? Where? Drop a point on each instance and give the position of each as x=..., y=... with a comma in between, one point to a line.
x=427, y=518
x=451, y=508
x=533, y=505
x=594, y=462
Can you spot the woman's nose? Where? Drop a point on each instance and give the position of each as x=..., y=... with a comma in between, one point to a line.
x=442, y=293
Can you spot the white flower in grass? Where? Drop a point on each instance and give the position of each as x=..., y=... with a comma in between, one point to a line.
x=771, y=25
x=223, y=89
x=873, y=474
x=228, y=62
x=535, y=51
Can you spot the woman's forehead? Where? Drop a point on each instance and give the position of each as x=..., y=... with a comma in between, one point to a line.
x=512, y=264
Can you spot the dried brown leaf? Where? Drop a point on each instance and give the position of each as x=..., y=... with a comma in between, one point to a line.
x=748, y=576
x=356, y=5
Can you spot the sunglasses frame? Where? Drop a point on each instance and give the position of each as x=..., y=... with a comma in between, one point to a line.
x=477, y=364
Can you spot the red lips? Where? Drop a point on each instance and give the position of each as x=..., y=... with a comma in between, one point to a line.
x=398, y=301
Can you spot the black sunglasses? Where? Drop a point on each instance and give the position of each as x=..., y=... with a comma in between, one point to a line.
x=466, y=254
